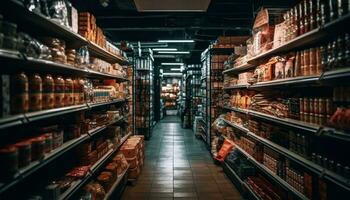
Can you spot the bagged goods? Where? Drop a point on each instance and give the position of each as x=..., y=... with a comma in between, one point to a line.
x=225, y=149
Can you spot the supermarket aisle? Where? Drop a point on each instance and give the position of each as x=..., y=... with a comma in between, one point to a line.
x=178, y=166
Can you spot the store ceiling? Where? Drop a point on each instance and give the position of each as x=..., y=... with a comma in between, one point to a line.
x=121, y=20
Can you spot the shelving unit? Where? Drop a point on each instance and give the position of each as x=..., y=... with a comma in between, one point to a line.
x=144, y=95
x=212, y=67
x=13, y=62
x=334, y=140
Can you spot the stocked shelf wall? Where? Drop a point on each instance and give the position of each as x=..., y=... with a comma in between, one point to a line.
x=284, y=108
x=63, y=103
x=144, y=95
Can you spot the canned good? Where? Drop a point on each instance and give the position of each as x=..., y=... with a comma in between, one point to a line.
x=24, y=153
x=321, y=106
x=315, y=106
x=306, y=103
x=301, y=105
x=311, y=105
x=329, y=107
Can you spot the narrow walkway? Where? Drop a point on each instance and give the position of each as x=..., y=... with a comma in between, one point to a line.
x=178, y=166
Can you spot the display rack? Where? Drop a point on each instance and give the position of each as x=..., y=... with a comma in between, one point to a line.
x=144, y=93
x=213, y=61
x=193, y=95
x=325, y=138
x=169, y=94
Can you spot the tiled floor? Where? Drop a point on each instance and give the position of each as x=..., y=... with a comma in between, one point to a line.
x=178, y=166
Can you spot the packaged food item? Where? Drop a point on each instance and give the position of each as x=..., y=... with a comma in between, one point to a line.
x=38, y=148
x=59, y=91
x=48, y=92
x=24, y=153
x=96, y=190
x=35, y=92
x=71, y=53
x=68, y=93
x=279, y=68
x=9, y=161
x=48, y=142
x=105, y=179
x=59, y=12
x=19, y=93
x=289, y=67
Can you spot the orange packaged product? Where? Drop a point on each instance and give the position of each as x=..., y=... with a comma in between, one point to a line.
x=225, y=149
x=129, y=152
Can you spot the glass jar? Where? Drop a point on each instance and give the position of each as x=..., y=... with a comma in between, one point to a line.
x=48, y=92
x=35, y=92
x=19, y=93
x=59, y=92
x=68, y=94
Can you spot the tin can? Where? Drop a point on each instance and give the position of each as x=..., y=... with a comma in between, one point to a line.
x=306, y=104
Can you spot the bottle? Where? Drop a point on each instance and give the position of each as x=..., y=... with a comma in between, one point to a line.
x=306, y=16
x=296, y=21
x=301, y=19
x=297, y=65
x=313, y=62
x=312, y=15
x=59, y=92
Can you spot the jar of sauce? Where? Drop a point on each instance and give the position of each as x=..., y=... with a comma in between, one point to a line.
x=35, y=92
x=48, y=92
x=69, y=97
x=19, y=93
x=59, y=92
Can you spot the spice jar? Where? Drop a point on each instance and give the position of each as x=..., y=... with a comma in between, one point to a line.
x=24, y=153
x=35, y=92
x=59, y=92
x=48, y=92
x=68, y=98
x=19, y=93
x=38, y=148
x=9, y=161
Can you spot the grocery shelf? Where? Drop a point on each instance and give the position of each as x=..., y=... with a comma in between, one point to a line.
x=54, y=154
x=115, y=184
x=42, y=24
x=273, y=176
x=309, y=38
x=26, y=118
x=21, y=62
x=283, y=121
x=93, y=170
x=36, y=165
x=235, y=125
x=99, y=52
x=240, y=182
x=239, y=86
x=287, y=81
x=242, y=67
x=317, y=169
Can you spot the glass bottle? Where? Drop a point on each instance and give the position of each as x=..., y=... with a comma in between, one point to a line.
x=312, y=15
x=306, y=16
x=301, y=19
x=296, y=21
x=318, y=17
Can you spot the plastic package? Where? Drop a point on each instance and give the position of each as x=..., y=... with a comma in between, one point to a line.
x=32, y=47
x=83, y=57
x=58, y=11
x=33, y=5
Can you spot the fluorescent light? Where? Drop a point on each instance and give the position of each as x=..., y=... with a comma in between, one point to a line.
x=165, y=49
x=171, y=64
x=176, y=41
x=175, y=69
x=172, y=74
x=164, y=56
x=174, y=52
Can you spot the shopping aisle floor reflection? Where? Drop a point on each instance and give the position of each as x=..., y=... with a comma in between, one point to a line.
x=178, y=166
